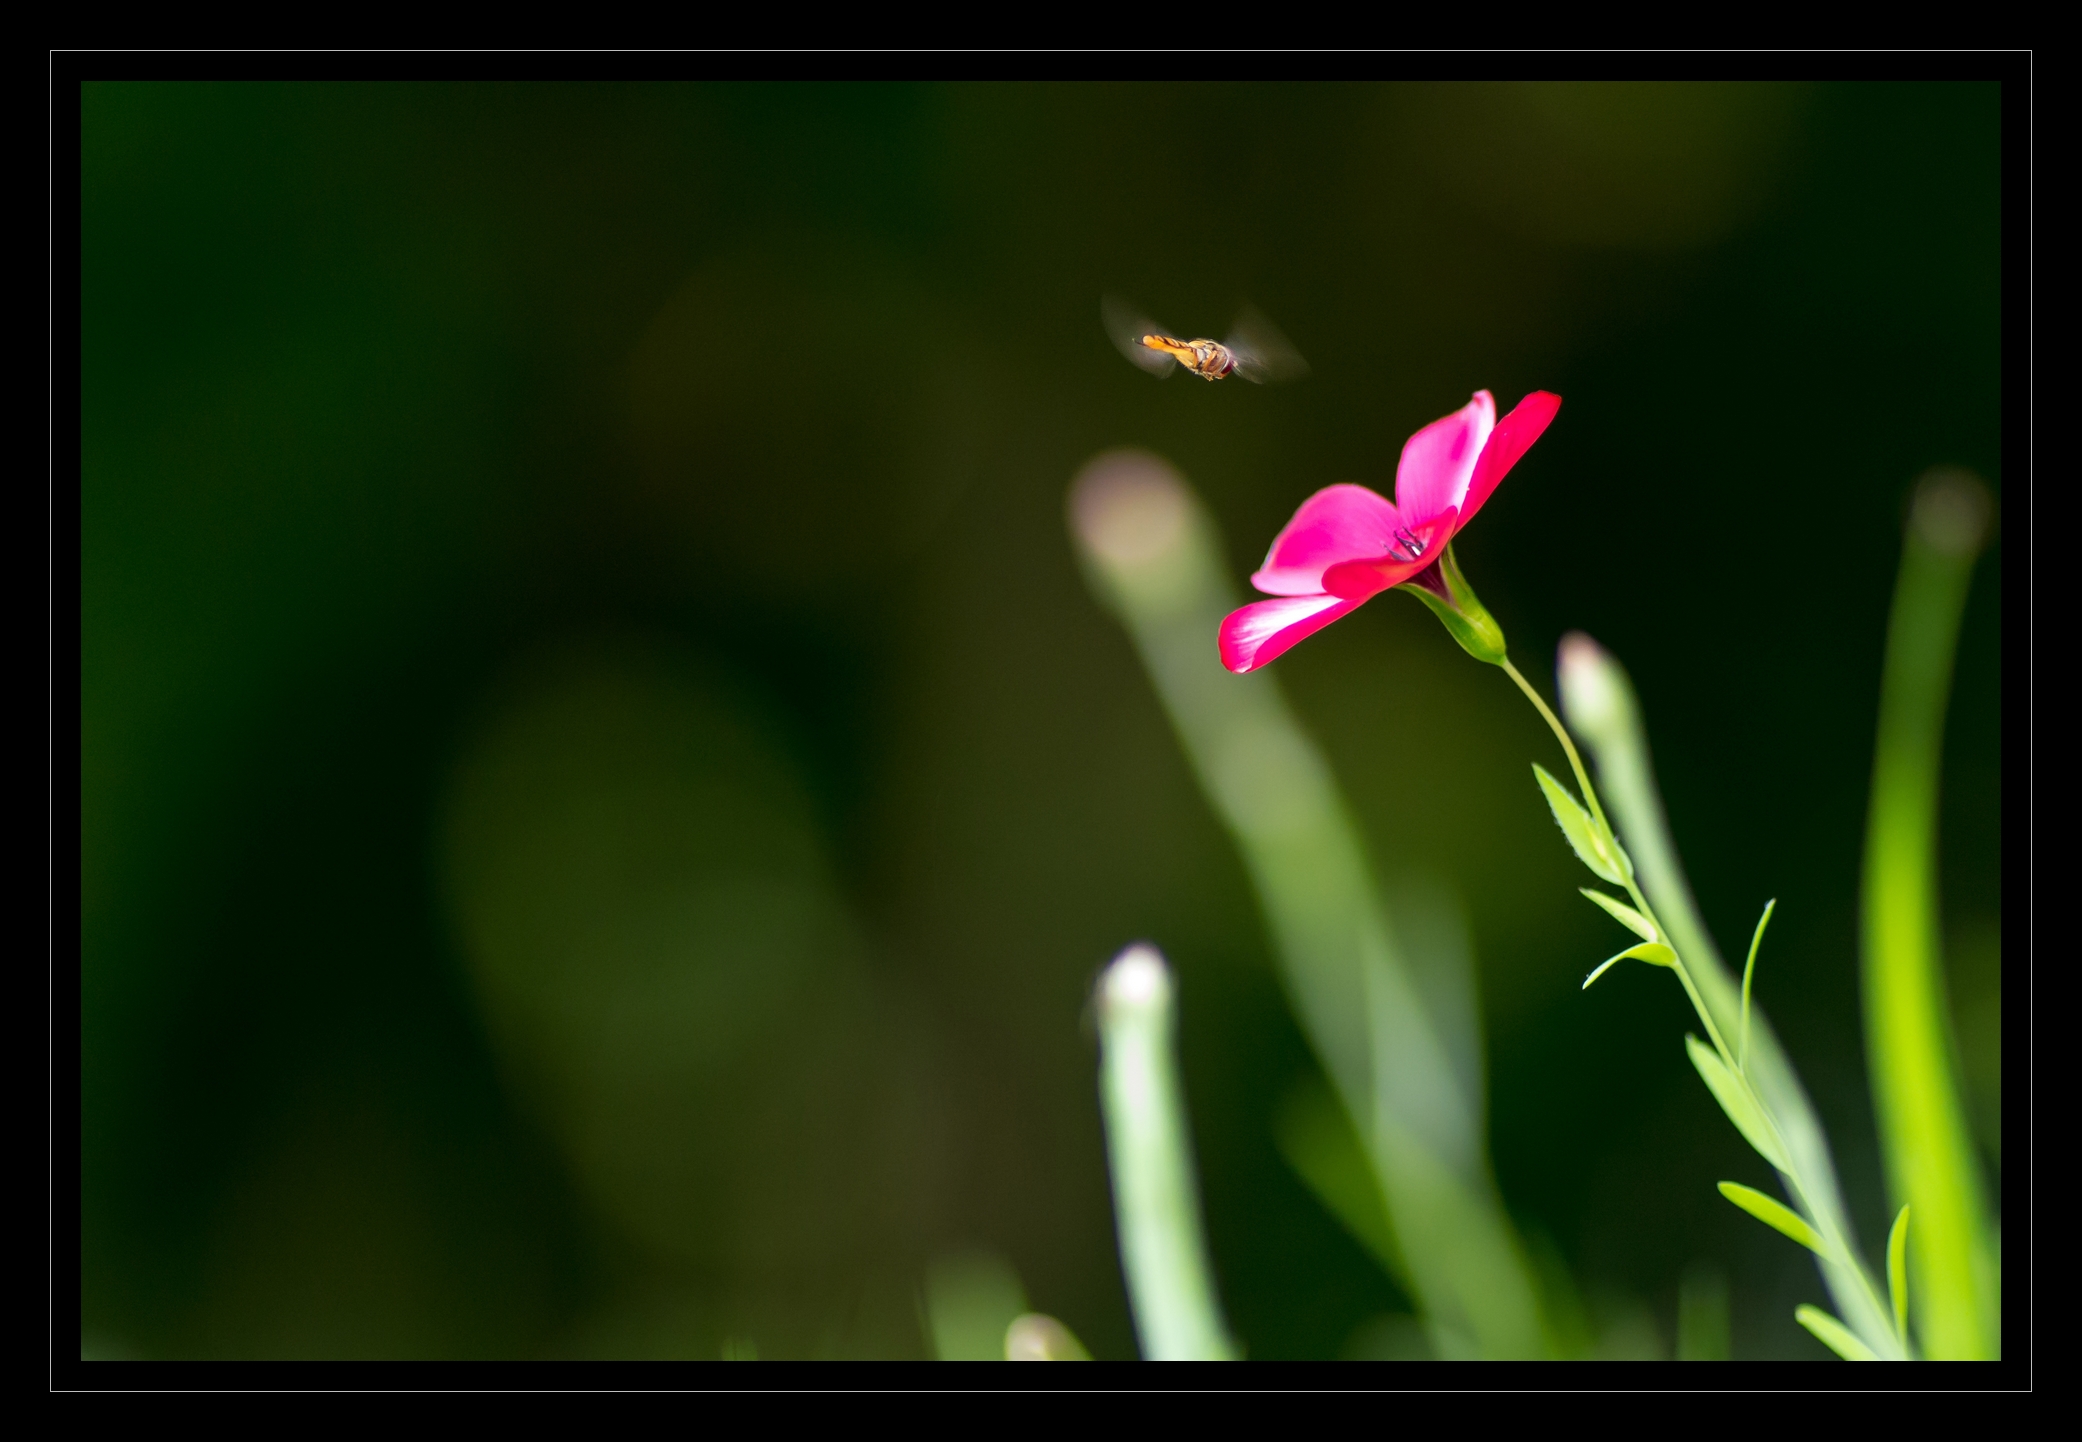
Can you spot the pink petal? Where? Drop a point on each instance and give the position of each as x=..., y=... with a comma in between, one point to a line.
x=1337, y=523
x=1513, y=437
x=1257, y=633
x=1359, y=580
x=1439, y=460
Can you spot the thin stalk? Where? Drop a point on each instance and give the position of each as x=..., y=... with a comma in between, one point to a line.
x=1641, y=904
x=1157, y=1206
x=1568, y=745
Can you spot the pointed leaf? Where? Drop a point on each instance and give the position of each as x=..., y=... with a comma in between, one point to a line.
x=1776, y=1214
x=1653, y=952
x=1749, y=970
x=1736, y=1101
x=1897, y=1273
x=1835, y=1335
x=1577, y=825
x=1625, y=915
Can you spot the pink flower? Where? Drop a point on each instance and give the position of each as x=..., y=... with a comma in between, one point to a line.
x=1346, y=544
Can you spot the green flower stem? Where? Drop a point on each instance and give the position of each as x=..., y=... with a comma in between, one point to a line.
x=1163, y=1249
x=1568, y=746
x=1931, y=1163
x=1601, y=702
x=1597, y=810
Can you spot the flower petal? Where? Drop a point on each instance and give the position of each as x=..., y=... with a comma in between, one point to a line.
x=1439, y=460
x=1513, y=437
x=1359, y=580
x=1337, y=523
x=1255, y=634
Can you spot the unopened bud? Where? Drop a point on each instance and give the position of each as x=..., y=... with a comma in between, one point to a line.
x=1950, y=511
x=1137, y=981
x=1037, y=1337
x=1596, y=696
x=1129, y=508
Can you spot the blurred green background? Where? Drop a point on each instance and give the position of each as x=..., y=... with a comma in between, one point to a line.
x=603, y=793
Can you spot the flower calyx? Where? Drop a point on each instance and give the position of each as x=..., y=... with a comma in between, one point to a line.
x=1445, y=590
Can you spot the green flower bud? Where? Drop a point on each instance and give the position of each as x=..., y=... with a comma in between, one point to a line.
x=1596, y=695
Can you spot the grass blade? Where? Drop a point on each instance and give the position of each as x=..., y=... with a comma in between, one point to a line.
x=1835, y=1335
x=1775, y=1214
x=1931, y=1162
x=1897, y=1272
x=1749, y=970
x=1319, y=1143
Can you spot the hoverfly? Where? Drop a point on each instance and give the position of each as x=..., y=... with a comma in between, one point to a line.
x=1254, y=349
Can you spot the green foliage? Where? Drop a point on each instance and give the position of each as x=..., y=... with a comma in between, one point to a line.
x=1922, y=1112
x=1749, y=969
x=1625, y=915
x=1319, y=1142
x=1702, y=1315
x=1592, y=843
x=1897, y=1272
x=1737, y=1101
x=971, y=1299
x=1653, y=952
x=1758, y=1089
x=1775, y=1214
x=1834, y=1334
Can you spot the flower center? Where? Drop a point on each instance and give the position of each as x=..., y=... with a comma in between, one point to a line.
x=1407, y=543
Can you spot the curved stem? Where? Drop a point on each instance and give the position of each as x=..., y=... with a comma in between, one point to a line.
x=1597, y=808
x=1568, y=745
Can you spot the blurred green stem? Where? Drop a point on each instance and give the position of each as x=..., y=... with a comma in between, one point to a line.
x=1156, y=1206
x=1931, y=1163
x=1388, y=1050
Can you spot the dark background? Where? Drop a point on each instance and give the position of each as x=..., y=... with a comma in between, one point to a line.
x=455, y=456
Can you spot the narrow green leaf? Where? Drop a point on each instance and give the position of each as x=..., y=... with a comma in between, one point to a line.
x=1774, y=1213
x=1576, y=824
x=1917, y=1090
x=1835, y=1335
x=1749, y=969
x=1897, y=1272
x=1625, y=915
x=1317, y=1138
x=1736, y=1101
x=1653, y=952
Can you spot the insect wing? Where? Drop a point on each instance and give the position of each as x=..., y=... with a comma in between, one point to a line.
x=1262, y=354
x=1126, y=327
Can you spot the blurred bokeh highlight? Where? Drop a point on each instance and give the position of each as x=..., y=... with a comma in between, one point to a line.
x=605, y=789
